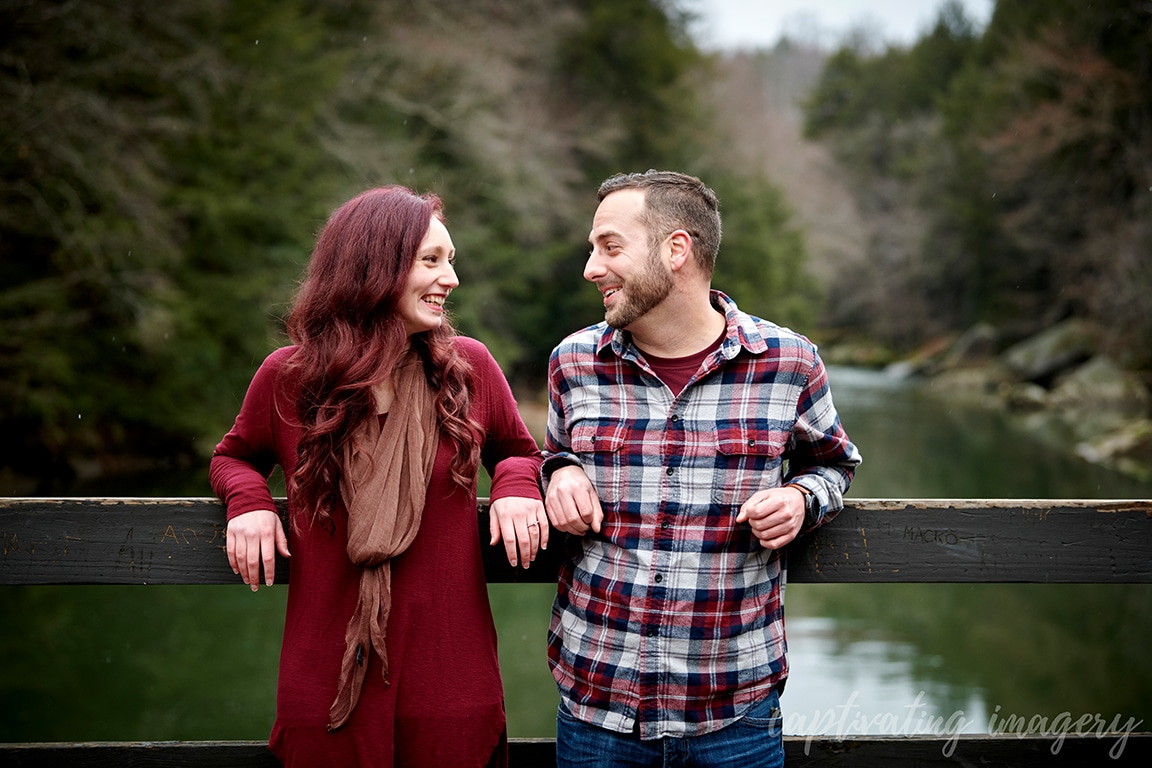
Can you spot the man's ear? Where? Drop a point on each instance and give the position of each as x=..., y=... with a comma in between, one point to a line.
x=679, y=249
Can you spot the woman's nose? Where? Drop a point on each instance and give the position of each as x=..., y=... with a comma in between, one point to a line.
x=449, y=277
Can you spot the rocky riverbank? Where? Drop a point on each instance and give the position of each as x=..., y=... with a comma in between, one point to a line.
x=1056, y=382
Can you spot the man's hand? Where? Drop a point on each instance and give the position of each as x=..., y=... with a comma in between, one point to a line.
x=253, y=539
x=571, y=501
x=520, y=522
x=775, y=515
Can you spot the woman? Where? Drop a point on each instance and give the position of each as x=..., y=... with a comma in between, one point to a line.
x=380, y=416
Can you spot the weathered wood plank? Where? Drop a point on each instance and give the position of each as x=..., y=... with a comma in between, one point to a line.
x=155, y=541
x=1071, y=751
x=180, y=541
x=986, y=540
x=154, y=754
x=114, y=541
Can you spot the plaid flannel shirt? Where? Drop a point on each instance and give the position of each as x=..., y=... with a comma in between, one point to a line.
x=672, y=616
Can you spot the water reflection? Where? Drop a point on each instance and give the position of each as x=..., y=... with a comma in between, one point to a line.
x=1000, y=650
x=846, y=683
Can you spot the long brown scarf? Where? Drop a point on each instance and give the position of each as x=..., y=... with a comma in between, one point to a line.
x=385, y=479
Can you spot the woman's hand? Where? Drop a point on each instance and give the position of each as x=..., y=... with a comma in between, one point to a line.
x=521, y=524
x=253, y=539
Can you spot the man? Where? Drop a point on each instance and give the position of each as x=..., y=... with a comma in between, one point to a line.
x=687, y=443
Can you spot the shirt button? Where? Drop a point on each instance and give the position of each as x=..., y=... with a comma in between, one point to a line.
x=658, y=578
x=675, y=417
x=670, y=470
x=651, y=632
x=665, y=525
x=751, y=443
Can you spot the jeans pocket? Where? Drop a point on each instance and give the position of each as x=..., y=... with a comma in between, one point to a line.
x=756, y=740
x=563, y=713
x=765, y=714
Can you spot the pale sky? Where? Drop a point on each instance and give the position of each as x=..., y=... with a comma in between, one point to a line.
x=729, y=24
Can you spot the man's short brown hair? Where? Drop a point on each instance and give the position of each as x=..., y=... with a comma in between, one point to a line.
x=675, y=201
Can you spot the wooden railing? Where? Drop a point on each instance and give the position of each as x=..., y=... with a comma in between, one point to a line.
x=180, y=541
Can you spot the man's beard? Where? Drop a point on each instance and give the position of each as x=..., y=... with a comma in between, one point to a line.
x=640, y=293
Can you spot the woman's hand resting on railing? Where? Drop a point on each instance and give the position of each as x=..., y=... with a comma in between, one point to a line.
x=253, y=540
x=521, y=524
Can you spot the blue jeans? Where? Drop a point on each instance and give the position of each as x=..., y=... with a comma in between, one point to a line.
x=754, y=741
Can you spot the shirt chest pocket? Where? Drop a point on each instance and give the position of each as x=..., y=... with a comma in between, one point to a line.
x=748, y=459
x=601, y=450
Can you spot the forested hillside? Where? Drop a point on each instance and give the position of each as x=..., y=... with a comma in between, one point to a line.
x=1004, y=175
x=167, y=165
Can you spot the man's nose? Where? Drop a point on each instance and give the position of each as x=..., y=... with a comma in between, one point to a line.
x=594, y=267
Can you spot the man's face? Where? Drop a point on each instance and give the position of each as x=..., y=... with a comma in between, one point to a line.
x=629, y=273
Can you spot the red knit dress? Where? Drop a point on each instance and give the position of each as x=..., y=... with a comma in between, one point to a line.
x=444, y=705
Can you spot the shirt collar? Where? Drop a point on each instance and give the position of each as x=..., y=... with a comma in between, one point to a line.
x=741, y=333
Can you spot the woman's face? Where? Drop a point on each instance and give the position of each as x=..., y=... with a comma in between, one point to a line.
x=431, y=280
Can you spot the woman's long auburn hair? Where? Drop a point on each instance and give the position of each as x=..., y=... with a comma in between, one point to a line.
x=349, y=335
